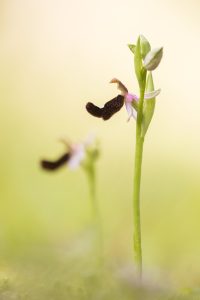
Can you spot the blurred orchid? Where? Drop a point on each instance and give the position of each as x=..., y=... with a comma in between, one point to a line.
x=114, y=105
x=73, y=157
x=84, y=155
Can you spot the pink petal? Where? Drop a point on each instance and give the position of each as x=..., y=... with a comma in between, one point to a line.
x=131, y=111
x=130, y=97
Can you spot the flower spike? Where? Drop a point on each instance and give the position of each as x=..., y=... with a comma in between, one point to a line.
x=140, y=108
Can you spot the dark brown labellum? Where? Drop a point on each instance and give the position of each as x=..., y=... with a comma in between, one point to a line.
x=112, y=106
x=94, y=110
x=54, y=165
x=109, y=109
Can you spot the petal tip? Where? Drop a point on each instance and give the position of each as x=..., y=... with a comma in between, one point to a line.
x=114, y=80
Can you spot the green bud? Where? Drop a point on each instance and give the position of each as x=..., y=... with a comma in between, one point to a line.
x=149, y=105
x=152, y=59
x=138, y=63
x=144, y=45
x=132, y=48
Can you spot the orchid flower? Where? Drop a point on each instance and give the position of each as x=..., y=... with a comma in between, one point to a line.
x=73, y=157
x=84, y=155
x=140, y=108
x=115, y=104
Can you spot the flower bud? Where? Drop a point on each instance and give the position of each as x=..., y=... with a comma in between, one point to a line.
x=144, y=46
x=153, y=58
x=132, y=48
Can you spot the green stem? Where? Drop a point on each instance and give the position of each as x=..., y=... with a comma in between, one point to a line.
x=92, y=187
x=137, y=180
x=95, y=213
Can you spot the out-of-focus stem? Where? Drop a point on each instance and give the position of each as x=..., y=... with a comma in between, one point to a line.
x=95, y=210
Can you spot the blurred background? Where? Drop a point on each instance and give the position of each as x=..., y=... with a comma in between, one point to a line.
x=54, y=57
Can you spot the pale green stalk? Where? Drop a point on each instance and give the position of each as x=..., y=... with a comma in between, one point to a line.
x=95, y=210
x=92, y=190
x=136, y=184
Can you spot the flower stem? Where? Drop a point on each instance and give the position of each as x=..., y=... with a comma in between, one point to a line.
x=92, y=187
x=136, y=191
x=95, y=212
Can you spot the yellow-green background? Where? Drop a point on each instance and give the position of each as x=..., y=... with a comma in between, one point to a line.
x=54, y=57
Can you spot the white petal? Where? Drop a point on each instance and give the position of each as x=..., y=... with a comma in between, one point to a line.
x=131, y=111
x=151, y=95
x=153, y=58
x=78, y=154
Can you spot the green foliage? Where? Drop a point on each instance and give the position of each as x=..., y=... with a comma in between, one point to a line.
x=149, y=106
x=138, y=62
x=51, y=274
x=139, y=70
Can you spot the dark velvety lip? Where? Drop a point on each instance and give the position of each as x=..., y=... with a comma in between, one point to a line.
x=56, y=164
x=110, y=108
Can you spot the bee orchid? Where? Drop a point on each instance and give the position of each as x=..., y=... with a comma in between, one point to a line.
x=114, y=105
x=73, y=157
